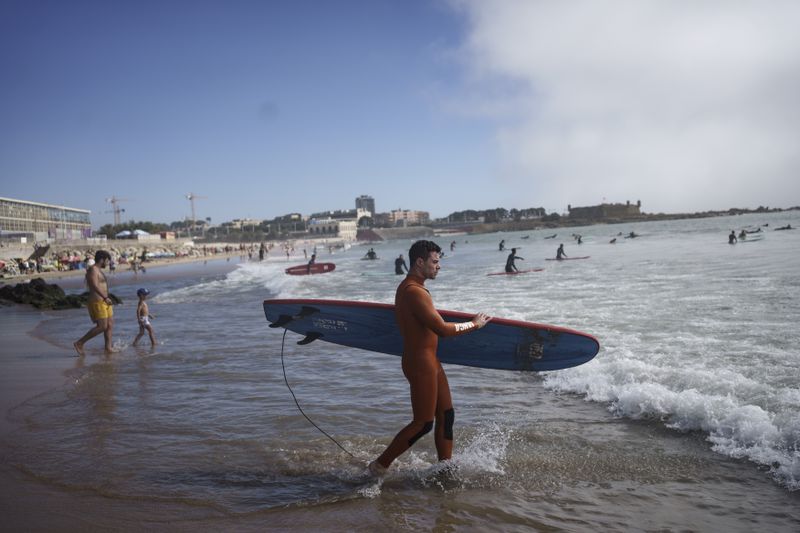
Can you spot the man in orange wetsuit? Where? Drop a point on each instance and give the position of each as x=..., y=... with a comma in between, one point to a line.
x=421, y=326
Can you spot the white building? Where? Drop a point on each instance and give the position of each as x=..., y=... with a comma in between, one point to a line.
x=345, y=229
x=43, y=221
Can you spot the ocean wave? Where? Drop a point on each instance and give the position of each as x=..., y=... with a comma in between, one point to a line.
x=243, y=280
x=718, y=406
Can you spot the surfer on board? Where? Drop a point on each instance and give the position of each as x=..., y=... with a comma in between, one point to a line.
x=421, y=326
x=311, y=262
x=510, y=266
x=560, y=252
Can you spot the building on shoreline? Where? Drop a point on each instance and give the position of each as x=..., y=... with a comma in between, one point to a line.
x=43, y=222
x=405, y=217
x=604, y=211
x=367, y=203
x=345, y=229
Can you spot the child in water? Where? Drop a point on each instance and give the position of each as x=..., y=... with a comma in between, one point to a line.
x=143, y=316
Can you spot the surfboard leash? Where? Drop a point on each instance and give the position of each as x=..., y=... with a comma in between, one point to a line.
x=286, y=380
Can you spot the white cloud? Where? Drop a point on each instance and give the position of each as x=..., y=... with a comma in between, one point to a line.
x=686, y=105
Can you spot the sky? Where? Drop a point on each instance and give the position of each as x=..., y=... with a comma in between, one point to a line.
x=268, y=107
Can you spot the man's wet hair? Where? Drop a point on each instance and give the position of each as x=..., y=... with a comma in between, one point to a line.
x=99, y=255
x=421, y=250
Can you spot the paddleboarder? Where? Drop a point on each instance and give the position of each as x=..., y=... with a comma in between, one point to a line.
x=510, y=266
x=421, y=326
x=399, y=265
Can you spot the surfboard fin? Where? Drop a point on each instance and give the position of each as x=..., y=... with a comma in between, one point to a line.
x=282, y=321
x=305, y=311
x=311, y=336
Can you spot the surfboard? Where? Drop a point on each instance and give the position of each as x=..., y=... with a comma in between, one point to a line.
x=502, y=344
x=316, y=268
x=515, y=273
x=567, y=258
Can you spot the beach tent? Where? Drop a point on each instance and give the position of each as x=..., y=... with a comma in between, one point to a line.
x=124, y=233
x=140, y=232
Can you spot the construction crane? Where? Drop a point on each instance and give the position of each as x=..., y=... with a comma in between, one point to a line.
x=192, y=197
x=116, y=209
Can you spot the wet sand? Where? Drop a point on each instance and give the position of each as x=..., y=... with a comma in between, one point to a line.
x=32, y=367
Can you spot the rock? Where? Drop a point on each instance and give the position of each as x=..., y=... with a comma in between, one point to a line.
x=43, y=295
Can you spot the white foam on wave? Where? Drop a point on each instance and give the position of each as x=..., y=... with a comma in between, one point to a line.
x=720, y=404
x=243, y=279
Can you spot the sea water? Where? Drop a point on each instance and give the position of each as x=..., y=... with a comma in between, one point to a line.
x=688, y=418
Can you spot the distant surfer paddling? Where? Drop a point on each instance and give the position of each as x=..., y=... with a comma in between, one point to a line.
x=421, y=326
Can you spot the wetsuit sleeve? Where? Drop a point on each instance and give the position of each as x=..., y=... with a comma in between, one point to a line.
x=423, y=310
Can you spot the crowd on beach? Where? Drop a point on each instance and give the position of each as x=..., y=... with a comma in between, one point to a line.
x=42, y=259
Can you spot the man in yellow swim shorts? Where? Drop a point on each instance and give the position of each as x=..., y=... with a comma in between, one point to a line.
x=100, y=304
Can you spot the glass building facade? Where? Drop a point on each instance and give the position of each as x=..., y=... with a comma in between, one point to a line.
x=43, y=220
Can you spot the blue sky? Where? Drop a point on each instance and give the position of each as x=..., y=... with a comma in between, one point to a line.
x=271, y=107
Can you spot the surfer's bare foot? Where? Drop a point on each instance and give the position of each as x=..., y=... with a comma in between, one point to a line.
x=377, y=469
x=79, y=348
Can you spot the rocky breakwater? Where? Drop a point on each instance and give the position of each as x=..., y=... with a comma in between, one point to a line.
x=43, y=295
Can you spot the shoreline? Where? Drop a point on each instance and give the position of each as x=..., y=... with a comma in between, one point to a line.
x=150, y=264
x=680, y=485
x=196, y=253
x=33, y=367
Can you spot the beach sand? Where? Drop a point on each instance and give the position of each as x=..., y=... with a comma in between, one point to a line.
x=53, y=276
x=276, y=254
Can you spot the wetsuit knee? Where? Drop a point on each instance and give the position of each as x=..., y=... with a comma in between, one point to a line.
x=449, y=420
x=425, y=429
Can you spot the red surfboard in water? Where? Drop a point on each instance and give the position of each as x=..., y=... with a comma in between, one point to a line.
x=316, y=268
